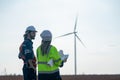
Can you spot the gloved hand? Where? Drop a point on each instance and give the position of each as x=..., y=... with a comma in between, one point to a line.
x=63, y=57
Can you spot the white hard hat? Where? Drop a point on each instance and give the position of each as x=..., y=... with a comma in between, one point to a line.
x=31, y=28
x=46, y=35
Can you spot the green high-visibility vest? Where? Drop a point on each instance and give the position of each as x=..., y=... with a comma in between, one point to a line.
x=43, y=67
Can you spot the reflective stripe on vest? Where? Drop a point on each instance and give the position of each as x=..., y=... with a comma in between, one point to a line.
x=40, y=62
x=48, y=72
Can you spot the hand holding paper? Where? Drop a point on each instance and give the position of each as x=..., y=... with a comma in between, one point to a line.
x=63, y=56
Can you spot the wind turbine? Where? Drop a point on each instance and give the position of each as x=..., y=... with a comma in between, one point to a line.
x=75, y=36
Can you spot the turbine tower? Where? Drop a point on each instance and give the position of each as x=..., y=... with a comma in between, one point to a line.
x=75, y=36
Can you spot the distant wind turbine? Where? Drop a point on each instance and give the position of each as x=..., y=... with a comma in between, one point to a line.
x=75, y=36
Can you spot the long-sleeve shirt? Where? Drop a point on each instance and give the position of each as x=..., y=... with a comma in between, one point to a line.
x=26, y=52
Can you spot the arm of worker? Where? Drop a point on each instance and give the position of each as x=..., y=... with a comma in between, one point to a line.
x=56, y=56
x=31, y=64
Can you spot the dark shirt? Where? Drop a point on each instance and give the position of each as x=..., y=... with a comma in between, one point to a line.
x=27, y=50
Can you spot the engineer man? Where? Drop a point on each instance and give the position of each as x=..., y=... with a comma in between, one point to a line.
x=26, y=53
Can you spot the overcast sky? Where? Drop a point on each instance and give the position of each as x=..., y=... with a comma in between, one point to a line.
x=98, y=27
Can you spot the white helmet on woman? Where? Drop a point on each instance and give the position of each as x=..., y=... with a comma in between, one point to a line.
x=46, y=35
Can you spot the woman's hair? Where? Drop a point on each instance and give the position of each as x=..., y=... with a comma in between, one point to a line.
x=45, y=47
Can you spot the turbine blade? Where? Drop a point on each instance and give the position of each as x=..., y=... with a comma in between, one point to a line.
x=80, y=40
x=75, y=23
x=66, y=34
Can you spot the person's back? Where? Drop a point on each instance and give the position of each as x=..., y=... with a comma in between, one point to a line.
x=44, y=59
x=48, y=58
